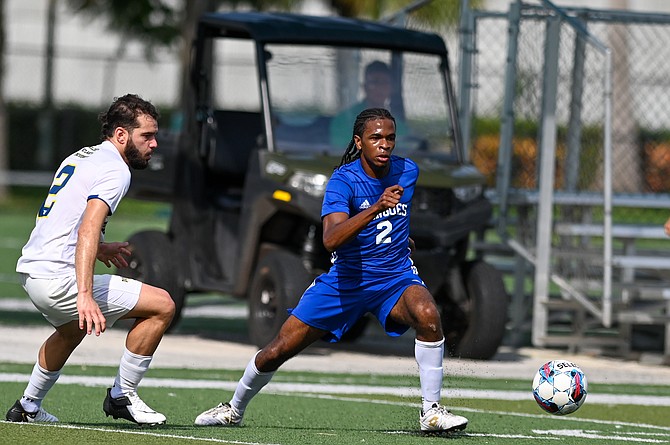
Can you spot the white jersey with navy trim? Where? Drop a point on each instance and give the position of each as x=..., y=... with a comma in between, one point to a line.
x=383, y=245
x=97, y=172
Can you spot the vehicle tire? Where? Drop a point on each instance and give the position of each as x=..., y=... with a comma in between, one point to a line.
x=278, y=283
x=152, y=262
x=474, y=328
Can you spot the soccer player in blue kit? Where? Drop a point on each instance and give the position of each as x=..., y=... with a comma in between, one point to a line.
x=366, y=212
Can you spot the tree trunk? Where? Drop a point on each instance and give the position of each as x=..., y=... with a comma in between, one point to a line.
x=4, y=152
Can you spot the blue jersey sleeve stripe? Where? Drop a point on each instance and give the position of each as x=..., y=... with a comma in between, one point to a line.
x=98, y=197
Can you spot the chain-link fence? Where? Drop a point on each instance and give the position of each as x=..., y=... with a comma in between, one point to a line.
x=584, y=93
x=639, y=120
x=582, y=90
x=640, y=78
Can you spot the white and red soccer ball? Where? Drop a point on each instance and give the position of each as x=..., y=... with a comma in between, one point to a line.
x=560, y=387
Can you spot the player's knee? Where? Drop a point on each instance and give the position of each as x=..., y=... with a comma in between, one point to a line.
x=426, y=313
x=165, y=305
x=428, y=320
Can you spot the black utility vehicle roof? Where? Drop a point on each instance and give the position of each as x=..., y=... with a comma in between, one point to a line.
x=304, y=29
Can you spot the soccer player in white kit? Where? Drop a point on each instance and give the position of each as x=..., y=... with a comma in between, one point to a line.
x=57, y=266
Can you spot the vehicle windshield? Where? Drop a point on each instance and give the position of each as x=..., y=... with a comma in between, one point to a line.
x=316, y=93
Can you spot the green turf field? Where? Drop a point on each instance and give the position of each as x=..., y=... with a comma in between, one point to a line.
x=301, y=408
x=298, y=408
x=18, y=219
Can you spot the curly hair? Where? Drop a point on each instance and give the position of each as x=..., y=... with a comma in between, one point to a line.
x=365, y=116
x=123, y=113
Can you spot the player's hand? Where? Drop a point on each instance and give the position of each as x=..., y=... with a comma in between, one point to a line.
x=90, y=315
x=666, y=227
x=113, y=254
x=391, y=197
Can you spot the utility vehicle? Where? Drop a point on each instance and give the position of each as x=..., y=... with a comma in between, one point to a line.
x=246, y=173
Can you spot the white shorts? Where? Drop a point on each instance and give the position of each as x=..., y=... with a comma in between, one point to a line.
x=56, y=298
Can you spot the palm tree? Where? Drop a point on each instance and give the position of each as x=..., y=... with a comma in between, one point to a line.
x=430, y=12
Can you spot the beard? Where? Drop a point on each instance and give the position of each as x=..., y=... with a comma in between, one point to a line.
x=135, y=158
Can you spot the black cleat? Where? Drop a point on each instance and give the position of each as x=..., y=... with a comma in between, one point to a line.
x=18, y=414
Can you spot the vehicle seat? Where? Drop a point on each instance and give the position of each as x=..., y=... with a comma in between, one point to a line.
x=238, y=133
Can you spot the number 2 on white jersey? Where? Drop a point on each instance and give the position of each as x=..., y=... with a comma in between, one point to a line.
x=60, y=180
x=385, y=228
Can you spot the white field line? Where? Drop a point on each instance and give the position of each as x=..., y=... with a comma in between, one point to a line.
x=138, y=433
x=534, y=435
x=319, y=388
x=16, y=304
x=208, y=311
x=12, y=243
x=9, y=278
x=542, y=435
x=547, y=417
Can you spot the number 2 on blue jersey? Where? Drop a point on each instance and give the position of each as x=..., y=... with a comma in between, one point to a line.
x=385, y=227
x=60, y=180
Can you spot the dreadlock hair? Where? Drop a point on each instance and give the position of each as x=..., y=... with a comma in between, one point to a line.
x=365, y=116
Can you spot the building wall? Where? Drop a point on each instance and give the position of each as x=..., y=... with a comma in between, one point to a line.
x=93, y=64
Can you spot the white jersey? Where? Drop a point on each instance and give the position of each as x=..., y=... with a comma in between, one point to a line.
x=97, y=172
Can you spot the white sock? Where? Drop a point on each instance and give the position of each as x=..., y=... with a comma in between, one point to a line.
x=429, y=358
x=39, y=385
x=131, y=370
x=251, y=382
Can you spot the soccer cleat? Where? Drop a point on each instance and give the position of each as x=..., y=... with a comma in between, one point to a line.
x=131, y=407
x=221, y=415
x=18, y=414
x=438, y=419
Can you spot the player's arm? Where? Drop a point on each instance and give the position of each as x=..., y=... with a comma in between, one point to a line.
x=88, y=241
x=339, y=228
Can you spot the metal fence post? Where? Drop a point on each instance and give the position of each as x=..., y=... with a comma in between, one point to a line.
x=504, y=170
x=467, y=48
x=572, y=166
x=546, y=181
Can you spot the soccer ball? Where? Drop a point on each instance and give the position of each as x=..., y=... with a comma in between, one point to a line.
x=560, y=387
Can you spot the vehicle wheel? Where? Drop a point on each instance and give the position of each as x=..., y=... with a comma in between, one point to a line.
x=279, y=282
x=474, y=328
x=151, y=261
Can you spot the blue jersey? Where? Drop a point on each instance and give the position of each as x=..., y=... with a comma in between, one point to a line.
x=382, y=247
x=371, y=272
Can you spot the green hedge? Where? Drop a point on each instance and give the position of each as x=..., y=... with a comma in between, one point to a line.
x=73, y=127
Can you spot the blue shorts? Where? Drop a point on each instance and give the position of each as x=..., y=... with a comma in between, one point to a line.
x=334, y=304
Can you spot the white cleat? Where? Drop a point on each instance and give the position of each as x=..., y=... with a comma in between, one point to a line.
x=131, y=407
x=221, y=415
x=438, y=419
